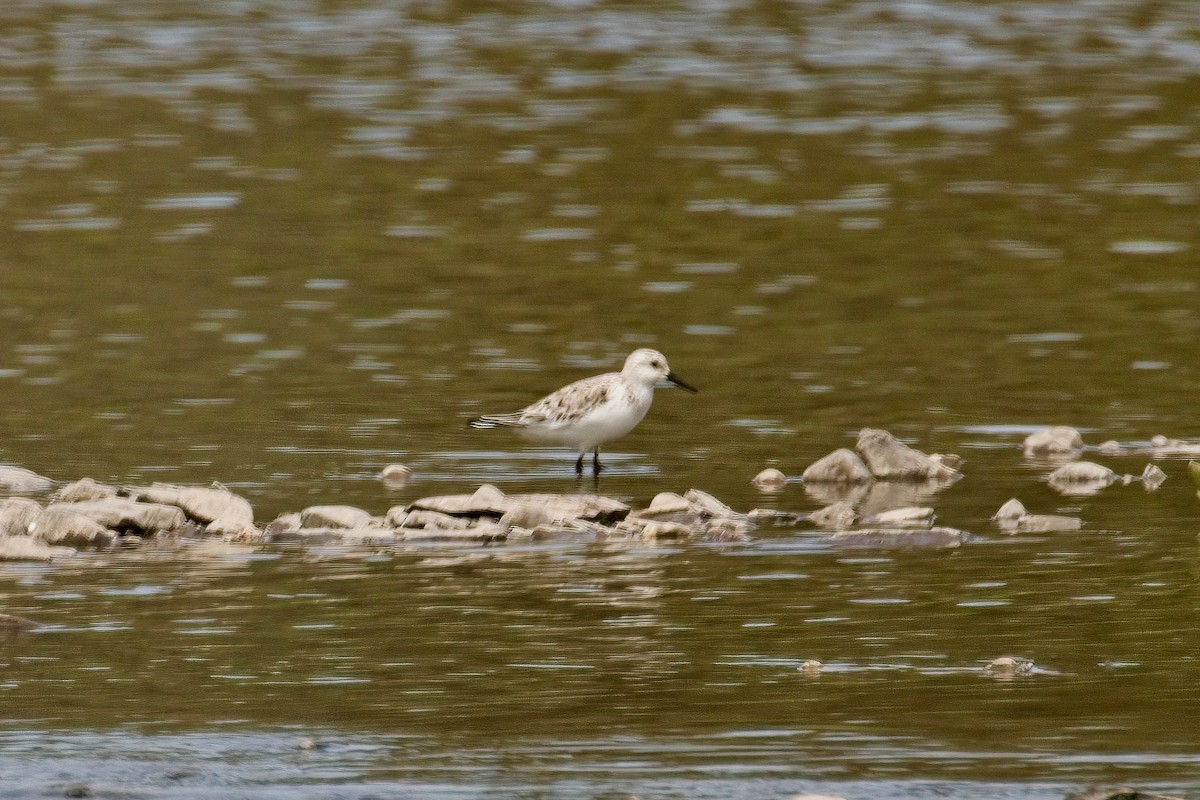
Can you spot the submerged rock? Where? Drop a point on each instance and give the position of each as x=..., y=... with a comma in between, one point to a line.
x=1059, y=440
x=1122, y=793
x=1013, y=518
x=890, y=459
x=836, y=516
x=841, y=466
x=1007, y=666
x=934, y=538
x=395, y=476
x=1081, y=477
x=908, y=517
x=769, y=480
x=18, y=480
x=1152, y=477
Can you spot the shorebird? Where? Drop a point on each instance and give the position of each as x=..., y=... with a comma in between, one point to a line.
x=593, y=411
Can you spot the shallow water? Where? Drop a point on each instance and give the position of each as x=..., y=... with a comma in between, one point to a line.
x=281, y=245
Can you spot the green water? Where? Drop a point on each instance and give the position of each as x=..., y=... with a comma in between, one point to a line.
x=281, y=245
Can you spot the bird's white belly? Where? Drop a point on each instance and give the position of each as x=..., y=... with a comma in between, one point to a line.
x=605, y=423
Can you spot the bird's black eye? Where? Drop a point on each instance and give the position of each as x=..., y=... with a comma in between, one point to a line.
x=656, y=364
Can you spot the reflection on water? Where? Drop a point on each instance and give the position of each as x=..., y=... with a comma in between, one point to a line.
x=282, y=245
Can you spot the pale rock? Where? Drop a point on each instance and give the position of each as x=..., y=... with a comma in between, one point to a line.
x=890, y=459
x=933, y=538
x=811, y=667
x=841, y=466
x=769, y=480
x=1010, y=511
x=908, y=517
x=1152, y=477
x=284, y=523
x=60, y=525
x=1044, y=523
x=836, y=516
x=26, y=548
x=1009, y=666
x=1081, y=478
x=395, y=476
x=18, y=480
x=1059, y=440
x=1109, y=448
x=435, y=520
x=117, y=513
x=665, y=530
x=705, y=504
x=334, y=517
x=485, y=532
x=396, y=516
x=201, y=504
x=15, y=515
x=83, y=490
x=667, y=503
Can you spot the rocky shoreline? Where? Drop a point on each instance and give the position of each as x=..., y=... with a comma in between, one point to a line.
x=871, y=498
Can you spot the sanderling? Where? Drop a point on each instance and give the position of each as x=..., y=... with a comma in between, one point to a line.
x=593, y=411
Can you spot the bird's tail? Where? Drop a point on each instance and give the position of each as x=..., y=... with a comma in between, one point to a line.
x=495, y=421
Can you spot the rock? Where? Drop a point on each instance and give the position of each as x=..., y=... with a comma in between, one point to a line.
x=837, y=517
x=811, y=667
x=1007, y=666
x=665, y=530
x=1010, y=511
x=890, y=459
x=1194, y=471
x=395, y=476
x=18, y=480
x=909, y=517
x=15, y=515
x=1152, y=477
x=667, y=503
x=951, y=460
x=207, y=505
x=1109, y=448
x=1081, y=477
x=840, y=466
x=284, y=523
x=26, y=548
x=769, y=480
x=436, y=520
x=934, y=538
x=808, y=796
x=119, y=513
x=83, y=490
x=704, y=504
x=334, y=517
x=488, y=501
x=1059, y=440
x=58, y=524
x=484, y=532
x=1045, y=523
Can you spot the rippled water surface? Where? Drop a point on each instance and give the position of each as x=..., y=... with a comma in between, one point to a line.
x=283, y=244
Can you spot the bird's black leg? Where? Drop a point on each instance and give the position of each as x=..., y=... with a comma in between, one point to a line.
x=596, y=462
x=579, y=465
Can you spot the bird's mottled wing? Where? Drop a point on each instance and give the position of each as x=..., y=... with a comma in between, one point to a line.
x=572, y=402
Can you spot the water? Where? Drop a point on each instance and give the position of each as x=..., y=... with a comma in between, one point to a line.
x=282, y=245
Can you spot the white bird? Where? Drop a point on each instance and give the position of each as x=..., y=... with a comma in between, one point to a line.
x=593, y=411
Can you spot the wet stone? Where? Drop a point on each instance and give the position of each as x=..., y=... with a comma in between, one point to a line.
x=15, y=515
x=933, y=538
x=908, y=517
x=60, y=525
x=890, y=459
x=207, y=505
x=334, y=517
x=84, y=489
x=18, y=480
x=26, y=548
x=1059, y=440
x=119, y=513
x=841, y=466
x=836, y=516
x=769, y=480
x=1081, y=477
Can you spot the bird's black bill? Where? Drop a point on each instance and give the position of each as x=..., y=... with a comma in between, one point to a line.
x=680, y=382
